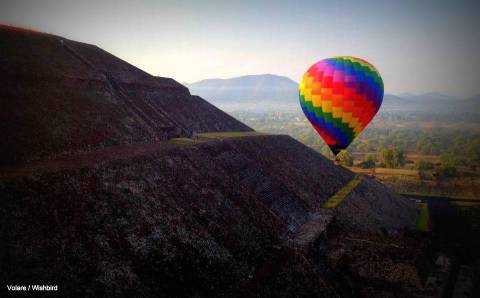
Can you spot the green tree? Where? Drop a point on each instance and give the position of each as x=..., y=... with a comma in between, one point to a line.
x=345, y=158
x=423, y=165
x=451, y=159
x=387, y=157
x=392, y=157
x=445, y=171
x=369, y=161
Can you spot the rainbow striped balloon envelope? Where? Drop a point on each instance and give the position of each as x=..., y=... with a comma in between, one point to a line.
x=339, y=97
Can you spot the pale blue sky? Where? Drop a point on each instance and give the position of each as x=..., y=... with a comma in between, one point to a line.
x=418, y=46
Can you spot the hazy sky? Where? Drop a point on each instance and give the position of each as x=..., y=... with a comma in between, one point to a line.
x=418, y=46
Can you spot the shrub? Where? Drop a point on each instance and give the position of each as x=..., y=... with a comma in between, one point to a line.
x=424, y=165
x=345, y=158
x=392, y=157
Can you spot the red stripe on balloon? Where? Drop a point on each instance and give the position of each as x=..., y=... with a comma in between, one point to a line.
x=329, y=140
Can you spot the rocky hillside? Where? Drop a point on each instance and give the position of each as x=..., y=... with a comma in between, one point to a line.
x=193, y=220
x=96, y=198
x=66, y=97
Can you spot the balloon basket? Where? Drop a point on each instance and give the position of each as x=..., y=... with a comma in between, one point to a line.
x=337, y=161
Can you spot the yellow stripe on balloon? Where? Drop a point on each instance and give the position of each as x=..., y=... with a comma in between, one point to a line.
x=337, y=112
x=302, y=92
x=326, y=106
x=317, y=88
x=358, y=130
x=346, y=118
x=308, y=94
x=354, y=123
x=317, y=101
x=305, y=79
x=302, y=85
x=309, y=81
x=351, y=121
x=362, y=63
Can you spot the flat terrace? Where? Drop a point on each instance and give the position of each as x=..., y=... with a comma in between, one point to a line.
x=107, y=154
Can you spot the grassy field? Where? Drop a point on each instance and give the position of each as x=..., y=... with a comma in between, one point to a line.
x=423, y=219
x=415, y=157
x=230, y=134
x=337, y=198
x=451, y=187
x=465, y=203
x=412, y=156
x=182, y=141
x=465, y=185
x=386, y=171
x=209, y=136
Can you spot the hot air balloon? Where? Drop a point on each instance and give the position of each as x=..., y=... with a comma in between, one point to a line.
x=339, y=97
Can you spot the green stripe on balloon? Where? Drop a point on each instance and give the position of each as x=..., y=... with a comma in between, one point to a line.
x=337, y=122
x=328, y=117
x=318, y=112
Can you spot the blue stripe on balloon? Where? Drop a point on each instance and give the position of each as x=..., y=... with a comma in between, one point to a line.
x=331, y=130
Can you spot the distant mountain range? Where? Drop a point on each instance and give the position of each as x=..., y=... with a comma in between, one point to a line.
x=265, y=87
x=272, y=92
x=431, y=102
x=429, y=97
x=251, y=92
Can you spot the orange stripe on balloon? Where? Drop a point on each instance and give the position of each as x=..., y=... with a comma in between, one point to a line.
x=337, y=100
x=317, y=88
